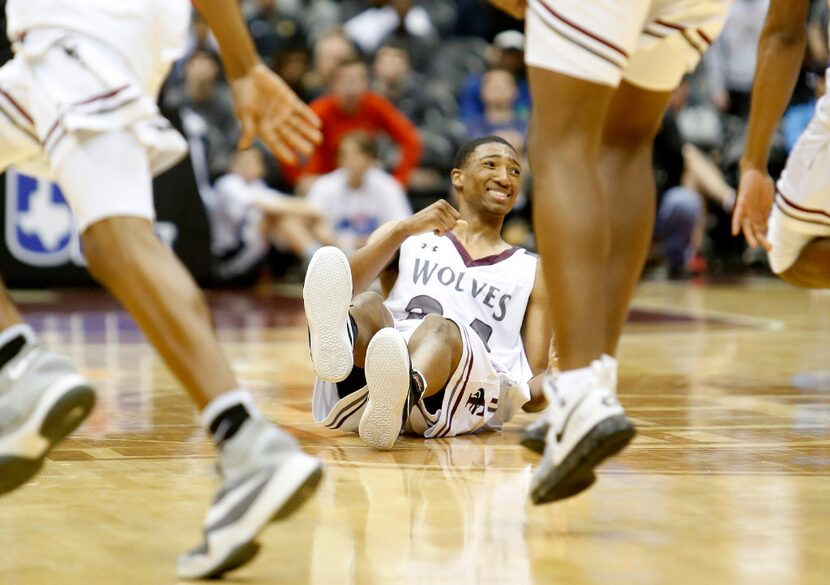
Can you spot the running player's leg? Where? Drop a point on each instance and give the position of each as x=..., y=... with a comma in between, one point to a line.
x=571, y=215
x=42, y=397
x=106, y=179
x=627, y=177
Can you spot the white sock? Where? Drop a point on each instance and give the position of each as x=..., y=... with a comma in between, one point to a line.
x=223, y=402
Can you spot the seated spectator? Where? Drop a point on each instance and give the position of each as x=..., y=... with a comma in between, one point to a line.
x=499, y=93
x=369, y=28
x=351, y=106
x=272, y=29
x=358, y=197
x=247, y=217
x=204, y=93
x=395, y=80
x=292, y=63
x=506, y=52
x=330, y=49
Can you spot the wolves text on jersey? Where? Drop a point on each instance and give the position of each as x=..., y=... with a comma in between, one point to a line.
x=487, y=294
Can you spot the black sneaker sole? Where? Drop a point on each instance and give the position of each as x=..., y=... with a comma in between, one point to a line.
x=576, y=472
x=63, y=418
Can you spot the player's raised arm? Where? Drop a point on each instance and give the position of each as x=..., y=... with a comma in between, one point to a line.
x=266, y=107
x=780, y=53
x=368, y=262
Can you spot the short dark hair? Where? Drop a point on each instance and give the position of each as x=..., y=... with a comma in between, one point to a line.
x=364, y=141
x=467, y=149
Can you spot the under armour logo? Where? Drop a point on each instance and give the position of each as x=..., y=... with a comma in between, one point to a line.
x=424, y=247
x=476, y=402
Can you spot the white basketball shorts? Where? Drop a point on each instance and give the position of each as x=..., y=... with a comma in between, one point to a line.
x=649, y=43
x=802, y=205
x=477, y=396
x=63, y=91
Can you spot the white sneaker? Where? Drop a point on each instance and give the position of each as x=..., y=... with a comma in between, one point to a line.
x=265, y=477
x=587, y=425
x=42, y=400
x=327, y=295
x=392, y=391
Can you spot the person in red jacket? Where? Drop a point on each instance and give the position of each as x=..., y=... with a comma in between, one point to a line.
x=351, y=106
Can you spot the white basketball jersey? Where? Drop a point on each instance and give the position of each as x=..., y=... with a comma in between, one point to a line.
x=437, y=275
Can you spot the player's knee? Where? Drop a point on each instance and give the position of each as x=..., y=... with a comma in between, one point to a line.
x=368, y=309
x=439, y=328
x=805, y=275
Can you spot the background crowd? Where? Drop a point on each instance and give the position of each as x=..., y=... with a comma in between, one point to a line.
x=401, y=84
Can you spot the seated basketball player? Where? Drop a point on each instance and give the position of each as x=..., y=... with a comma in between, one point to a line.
x=442, y=354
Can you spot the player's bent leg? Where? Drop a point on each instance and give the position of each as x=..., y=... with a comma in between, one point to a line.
x=370, y=316
x=812, y=268
x=625, y=167
x=571, y=216
x=435, y=349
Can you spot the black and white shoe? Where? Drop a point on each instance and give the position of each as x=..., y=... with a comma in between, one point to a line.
x=394, y=389
x=327, y=295
x=265, y=477
x=587, y=426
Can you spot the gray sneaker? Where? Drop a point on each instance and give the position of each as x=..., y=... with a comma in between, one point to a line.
x=42, y=400
x=265, y=477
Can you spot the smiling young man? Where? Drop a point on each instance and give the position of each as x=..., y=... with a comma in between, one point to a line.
x=443, y=353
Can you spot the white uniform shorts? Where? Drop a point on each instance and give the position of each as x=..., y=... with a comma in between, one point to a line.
x=478, y=395
x=802, y=205
x=60, y=94
x=649, y=43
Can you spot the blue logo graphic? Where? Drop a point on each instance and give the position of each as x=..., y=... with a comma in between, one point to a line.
x=39, y=227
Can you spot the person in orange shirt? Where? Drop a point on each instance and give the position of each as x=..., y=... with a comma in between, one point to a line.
x=349, y=107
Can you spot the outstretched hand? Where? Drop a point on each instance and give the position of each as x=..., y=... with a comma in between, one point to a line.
x=267, y=108
x=756, y=192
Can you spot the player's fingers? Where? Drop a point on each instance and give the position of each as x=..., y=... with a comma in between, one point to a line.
x=248, y=131
x=461, y=224
x=277, y=146
x=749, y=233
x=765, y=243
x=294, y=139
x=737, y=216
x=307, y=114
x=306, y=129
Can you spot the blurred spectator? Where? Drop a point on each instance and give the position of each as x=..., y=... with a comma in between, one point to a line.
x=506, y=52
x=685, y=178
x=204, y=93
x=358, y=197
x=499, y=93
x=293, y=64
x=730, y=63
x=351, y=106
x=330, y=49
x=395, y=80
x=247, y=217
x=403, y=17
x=272, y=29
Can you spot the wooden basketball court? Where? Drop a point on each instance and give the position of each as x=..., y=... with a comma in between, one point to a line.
x=727, y=482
